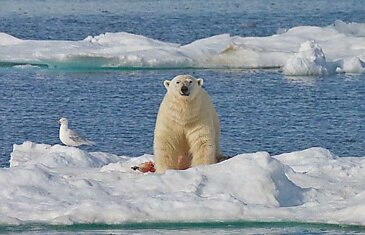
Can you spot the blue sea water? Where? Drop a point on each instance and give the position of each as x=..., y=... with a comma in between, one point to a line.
x=188, y=228
x=259, y=110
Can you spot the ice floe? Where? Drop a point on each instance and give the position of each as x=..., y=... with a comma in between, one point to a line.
x=65, y=185
x=335, y=48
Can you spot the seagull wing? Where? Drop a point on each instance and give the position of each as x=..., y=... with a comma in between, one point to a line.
x=77, y=137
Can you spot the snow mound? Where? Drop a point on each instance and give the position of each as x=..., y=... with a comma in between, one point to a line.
x=56, y=156
x=354, y=29
x=65, y=185
x=351, y=65
x=8, y=40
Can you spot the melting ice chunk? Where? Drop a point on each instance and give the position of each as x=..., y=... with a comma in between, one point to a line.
x=310, y=60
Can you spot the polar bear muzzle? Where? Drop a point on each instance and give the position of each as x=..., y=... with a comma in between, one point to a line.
x=184, y=91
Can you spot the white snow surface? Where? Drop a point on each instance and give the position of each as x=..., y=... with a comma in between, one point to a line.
x=65, y=185
x=335, y=48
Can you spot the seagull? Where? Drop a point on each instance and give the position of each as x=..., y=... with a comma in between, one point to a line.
x=70, y=137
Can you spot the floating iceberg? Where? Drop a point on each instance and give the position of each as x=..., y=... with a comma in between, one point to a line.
x=310, y=60
x=65, y=185
x=338, y=42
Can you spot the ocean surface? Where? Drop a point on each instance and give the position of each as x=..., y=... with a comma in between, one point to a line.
x=259, y=110
x=188, y=228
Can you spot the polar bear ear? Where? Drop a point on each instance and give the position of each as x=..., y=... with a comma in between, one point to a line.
x=200, y=81
x=166, y=83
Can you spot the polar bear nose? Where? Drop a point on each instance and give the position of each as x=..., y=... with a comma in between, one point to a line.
x=184, y=89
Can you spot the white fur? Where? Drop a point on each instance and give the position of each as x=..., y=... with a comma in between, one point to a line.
x=187, y=127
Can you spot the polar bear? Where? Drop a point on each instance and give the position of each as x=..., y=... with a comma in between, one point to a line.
x=187, y=128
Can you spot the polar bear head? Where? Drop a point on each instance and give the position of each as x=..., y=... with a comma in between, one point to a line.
x=184, y=86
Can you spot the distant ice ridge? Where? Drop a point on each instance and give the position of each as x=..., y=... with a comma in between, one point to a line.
x=338, y=48
x=311, y=61
x=65, y=185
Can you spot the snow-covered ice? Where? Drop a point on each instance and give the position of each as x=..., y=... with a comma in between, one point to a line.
x=65, y=185
x=335, y=48
x=310, y=60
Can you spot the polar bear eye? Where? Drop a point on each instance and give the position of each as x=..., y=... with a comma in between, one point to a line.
x=190, y=82
x=177, y=82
